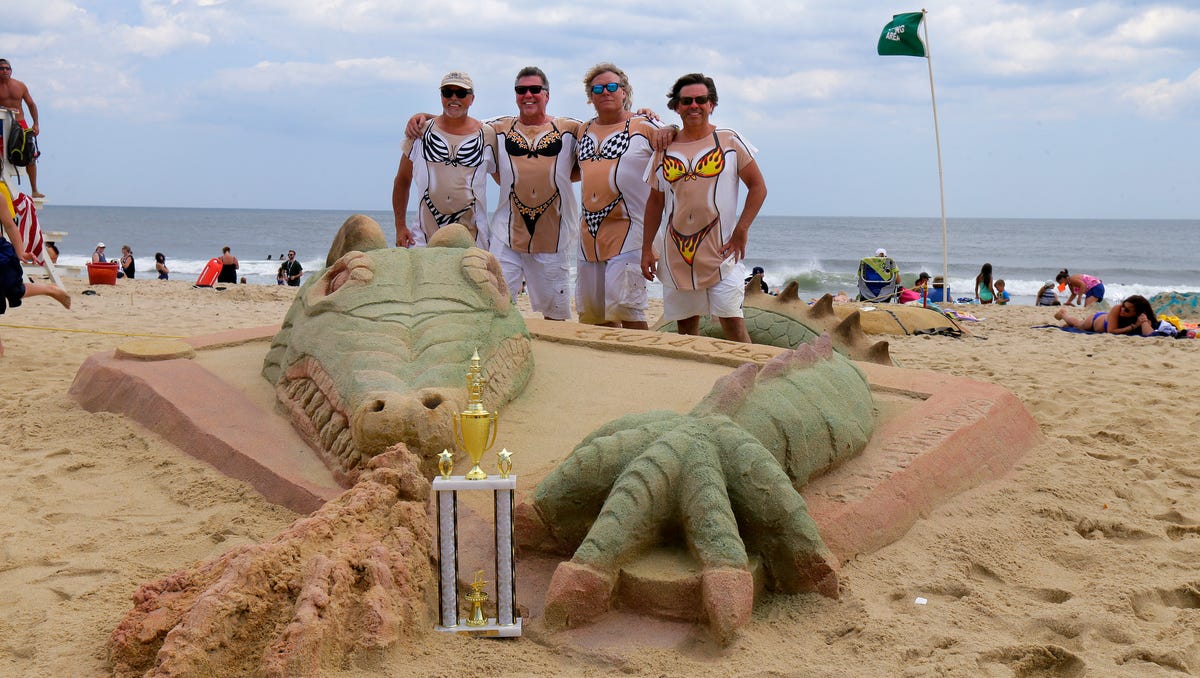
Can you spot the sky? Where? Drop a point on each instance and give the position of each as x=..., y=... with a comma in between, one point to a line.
x=1044, y=109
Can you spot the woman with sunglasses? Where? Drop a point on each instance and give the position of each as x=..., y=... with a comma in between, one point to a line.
x=450, y=162
x=695, y=182
x=614, y=152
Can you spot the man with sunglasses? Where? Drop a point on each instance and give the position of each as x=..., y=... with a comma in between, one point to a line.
x=14, y=94
x=695, y=181
x=449, y=161
x=614, y=153
x=535, y=225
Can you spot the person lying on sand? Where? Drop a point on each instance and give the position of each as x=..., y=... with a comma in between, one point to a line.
x=1133, y=315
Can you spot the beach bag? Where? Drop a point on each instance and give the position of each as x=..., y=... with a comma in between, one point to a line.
x=21, y=146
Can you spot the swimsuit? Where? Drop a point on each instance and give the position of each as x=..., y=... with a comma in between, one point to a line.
x=610, y=149
x=985, y=294
x=228, y=273
x=1105, y=320
x=709, y=165
x=549, y=145
x=468, y=154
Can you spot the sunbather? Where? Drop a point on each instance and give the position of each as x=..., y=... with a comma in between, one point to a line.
x=1134, y=315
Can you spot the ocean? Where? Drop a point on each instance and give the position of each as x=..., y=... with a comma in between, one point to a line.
x=1131, y=256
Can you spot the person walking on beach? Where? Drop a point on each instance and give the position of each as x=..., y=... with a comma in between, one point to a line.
x=614, y=153
x=127, y=266
x=695, y=182
x=985, y=292
x=14, y=95
x=292, y=269
x=449, y=163
x=160, y=265
x=1087, y=289
x=229, y=267
x=98, y=254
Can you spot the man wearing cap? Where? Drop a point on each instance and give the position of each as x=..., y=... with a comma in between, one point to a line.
x=449, y=162
x=98, y=254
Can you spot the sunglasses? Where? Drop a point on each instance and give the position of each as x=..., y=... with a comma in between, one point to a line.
x=611, y=87
x=452, y=92
x=531, y=89
x=687, y=101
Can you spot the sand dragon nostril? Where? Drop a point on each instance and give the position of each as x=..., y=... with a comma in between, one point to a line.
x=431, y=400
x=377, y=406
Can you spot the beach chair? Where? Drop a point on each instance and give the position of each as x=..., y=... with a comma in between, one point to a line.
x=939, y=292
x=878, y=279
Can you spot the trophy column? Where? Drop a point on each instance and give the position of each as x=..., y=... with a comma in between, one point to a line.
x=506, y=623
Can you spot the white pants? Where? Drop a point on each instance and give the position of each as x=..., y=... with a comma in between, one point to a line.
x=723, y=300
x=546, y=277
x=611, y=291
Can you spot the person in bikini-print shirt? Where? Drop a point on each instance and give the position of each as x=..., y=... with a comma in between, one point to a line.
x=614, y=152
x=698, y=256
x=534, y=229
x=449, y=163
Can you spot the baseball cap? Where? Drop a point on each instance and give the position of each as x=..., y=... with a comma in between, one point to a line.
x=881, y=252
x=923, y=276
x=458, y=79
x=99, y=244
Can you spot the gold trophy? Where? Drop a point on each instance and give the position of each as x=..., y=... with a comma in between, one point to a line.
x=475, y=427
x=505, y=462
x=477, y=597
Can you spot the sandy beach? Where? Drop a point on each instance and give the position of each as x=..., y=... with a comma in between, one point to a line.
x=1082, y=560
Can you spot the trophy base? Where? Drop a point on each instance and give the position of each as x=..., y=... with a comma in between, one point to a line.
x=476, y=473
x=490, y=630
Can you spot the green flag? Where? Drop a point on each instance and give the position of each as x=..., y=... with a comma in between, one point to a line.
x=900, y=36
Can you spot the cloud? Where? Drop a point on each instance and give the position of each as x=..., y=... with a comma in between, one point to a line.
x=1165, y=99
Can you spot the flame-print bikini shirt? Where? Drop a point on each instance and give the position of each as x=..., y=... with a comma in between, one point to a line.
x=700, y=184
x=450, y=174
x=538, y=211
x=612, y=162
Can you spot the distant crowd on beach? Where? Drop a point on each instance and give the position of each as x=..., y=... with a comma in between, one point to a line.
x=289, y=273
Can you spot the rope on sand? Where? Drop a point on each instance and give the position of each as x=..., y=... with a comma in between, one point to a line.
x=67, y=329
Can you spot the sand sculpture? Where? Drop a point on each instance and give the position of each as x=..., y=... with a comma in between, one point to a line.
x=720, y=479
x=373, y=350
x=371, y=362
x=786, y=321
x=355, y=574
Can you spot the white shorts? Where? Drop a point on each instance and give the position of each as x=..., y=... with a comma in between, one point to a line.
x=547, y=278
x=611, y=291
x=723, y=300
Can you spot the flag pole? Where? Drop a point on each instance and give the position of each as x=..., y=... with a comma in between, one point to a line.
x=941, y=182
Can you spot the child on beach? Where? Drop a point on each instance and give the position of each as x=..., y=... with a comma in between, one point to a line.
x=984, y=292
x=1087, y=289
x=160, y=265
x=13, y=289
x=1002, y=297
x=1046, y=296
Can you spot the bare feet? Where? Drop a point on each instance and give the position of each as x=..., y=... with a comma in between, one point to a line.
x=1059, y=314
x=60, y=295
x=37, y=194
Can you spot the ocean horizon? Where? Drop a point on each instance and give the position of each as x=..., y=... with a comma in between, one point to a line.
x=1131, y=256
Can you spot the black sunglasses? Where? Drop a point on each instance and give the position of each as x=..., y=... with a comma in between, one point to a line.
x=532, y=89
x=451, y=92
x=687, y=101
x=612, y=87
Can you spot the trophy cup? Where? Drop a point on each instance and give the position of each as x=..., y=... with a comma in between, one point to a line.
x=475, y=427
x=477, y=597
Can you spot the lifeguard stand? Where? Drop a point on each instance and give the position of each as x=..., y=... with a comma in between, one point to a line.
x=15, y=177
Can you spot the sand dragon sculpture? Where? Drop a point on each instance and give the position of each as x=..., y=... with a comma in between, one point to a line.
x=720, y=480
x=374, y=349
x=370, y=364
